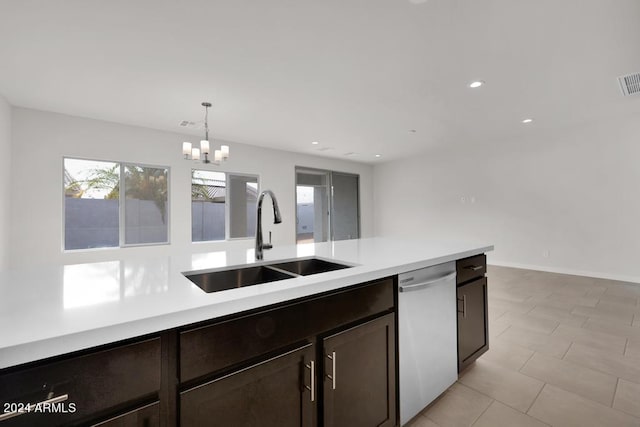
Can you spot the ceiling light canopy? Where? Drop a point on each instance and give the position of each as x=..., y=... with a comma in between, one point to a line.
x=193, y=153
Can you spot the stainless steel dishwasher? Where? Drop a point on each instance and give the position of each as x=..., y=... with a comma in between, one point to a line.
x=427, y=336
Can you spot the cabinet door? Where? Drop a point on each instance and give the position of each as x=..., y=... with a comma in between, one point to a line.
x=278, y=392
x=472, y=321
x=360, y=376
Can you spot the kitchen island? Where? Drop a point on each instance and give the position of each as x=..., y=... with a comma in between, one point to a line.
x=58, y=310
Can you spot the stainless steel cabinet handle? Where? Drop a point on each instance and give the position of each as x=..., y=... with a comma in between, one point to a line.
x=464, y=306
x=312, y=367
x=474, y=267
x=416, y=286
x=57, y=399
x=332, y=377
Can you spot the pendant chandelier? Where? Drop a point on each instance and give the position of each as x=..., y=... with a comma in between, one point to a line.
x=202, y=153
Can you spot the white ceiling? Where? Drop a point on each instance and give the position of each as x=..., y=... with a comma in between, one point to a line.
x=354, y=75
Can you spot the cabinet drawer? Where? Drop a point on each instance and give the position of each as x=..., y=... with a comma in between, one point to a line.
x=82, y=386
x=147, y=416
x=210, y=348
x=471, y=268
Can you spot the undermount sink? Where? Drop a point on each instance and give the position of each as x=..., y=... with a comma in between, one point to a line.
x=304, y=267
x=215, y=281
x=220, y=280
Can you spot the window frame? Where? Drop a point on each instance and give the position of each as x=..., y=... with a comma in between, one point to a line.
x=121, y=206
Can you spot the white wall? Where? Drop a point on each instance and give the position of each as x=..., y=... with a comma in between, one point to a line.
x=41, y=139
x=574, y=193
x=5, y=185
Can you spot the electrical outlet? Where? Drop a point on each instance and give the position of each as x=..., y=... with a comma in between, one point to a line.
x=546, y=253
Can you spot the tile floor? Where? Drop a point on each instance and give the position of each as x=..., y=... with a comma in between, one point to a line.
x=564, y=351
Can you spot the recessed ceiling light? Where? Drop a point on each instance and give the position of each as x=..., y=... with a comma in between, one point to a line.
x=378, y=155
x=476, y=84
x=315, y=143
x=527, y=120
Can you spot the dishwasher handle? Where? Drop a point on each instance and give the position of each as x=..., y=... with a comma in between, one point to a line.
x=422, y=285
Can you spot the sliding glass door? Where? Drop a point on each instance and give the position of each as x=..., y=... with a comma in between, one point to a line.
x=327, y=206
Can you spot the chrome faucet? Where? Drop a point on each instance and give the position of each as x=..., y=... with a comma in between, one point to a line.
x=277, y=219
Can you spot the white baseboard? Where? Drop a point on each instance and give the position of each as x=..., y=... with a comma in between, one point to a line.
x=619, y=277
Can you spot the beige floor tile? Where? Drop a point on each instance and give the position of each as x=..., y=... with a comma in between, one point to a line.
x=597, y=291
x=550, y=302
x=495, y=313
x=558, y=315
x=633, y=349
x=616, y=307
x=558, y=407
x=623, y=289
x=542, y=343
x=628, y=397
x=537, y=324
x=510, y=295
x=575, y=300
x=499, y=414
x=575, y=378
x=591, y=338
x=604, y=361
x=514, y=307
x=507, y=355
x=496, y=328
x=509, y=387
x=578, y=281
x=612, y=328
x=605, y=313
x=621, y=300
x=571, y=290
x=459, y=406
x=421, y=421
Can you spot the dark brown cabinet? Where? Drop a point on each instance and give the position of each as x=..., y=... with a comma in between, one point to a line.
x=473, y=326
x=81, y=388
x=342, y=372
x=279, y=391
x=359, y=375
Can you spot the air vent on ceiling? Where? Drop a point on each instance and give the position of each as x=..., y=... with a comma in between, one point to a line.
x=630, y=84
x=188, y=124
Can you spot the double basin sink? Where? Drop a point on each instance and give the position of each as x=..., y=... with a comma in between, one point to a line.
x=220, y=280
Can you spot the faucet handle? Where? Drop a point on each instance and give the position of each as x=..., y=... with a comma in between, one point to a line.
x=267, y=245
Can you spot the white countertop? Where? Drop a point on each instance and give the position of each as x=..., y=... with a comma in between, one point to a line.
x=55, y=310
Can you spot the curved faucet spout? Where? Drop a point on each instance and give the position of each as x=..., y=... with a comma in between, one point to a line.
x=277, y=219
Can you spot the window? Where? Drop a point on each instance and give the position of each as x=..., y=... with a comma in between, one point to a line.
x=208, y=196
x=222, y=205
x=243, y=195
x=96, y=204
